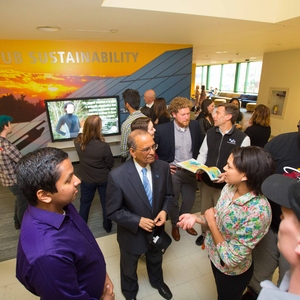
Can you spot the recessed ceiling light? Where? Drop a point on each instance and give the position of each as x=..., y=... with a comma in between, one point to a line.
x=219, y=52
x=48, y=28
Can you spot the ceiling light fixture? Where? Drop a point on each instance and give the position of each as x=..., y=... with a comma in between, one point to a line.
x=48, y=28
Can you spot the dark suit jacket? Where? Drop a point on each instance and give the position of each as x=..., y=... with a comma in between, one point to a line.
x=127, y=202
x=165, y=138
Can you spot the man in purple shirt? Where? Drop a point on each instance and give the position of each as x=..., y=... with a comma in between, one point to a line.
x=58, y=257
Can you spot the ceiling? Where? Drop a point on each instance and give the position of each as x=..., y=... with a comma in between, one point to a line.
x=218, y=33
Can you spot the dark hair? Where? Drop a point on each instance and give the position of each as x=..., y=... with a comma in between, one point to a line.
x=140, y=123
x=4, y=120
x=160, y=108
x=39, y=170
x=132, y=97
x=66, y=104
x=146, y=111
x=232, y=110
x=235, y=99
x=205, y=103
x=92, y=129
x=240, y=116
x=256, y=163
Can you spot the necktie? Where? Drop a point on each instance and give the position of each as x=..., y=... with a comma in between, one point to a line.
x=147, y=186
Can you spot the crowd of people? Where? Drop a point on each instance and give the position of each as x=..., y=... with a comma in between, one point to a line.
x=250, y=216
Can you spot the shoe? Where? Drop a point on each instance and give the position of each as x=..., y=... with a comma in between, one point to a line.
x=200, y=240
x=164, y=291
x=108, y=230
x=175, y=233
x=192, y=231
x=17, y=226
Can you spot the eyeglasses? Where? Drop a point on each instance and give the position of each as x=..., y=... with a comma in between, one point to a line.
x=148, y=149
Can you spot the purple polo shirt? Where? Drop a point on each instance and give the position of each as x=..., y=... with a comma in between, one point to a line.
x=58, y=256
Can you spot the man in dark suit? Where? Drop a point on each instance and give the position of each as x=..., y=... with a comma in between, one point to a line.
x=138, y=209
x=178, y=141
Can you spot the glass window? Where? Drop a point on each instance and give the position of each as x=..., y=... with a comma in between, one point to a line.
x=214, y=77
x=200, y=76
x=228, y=77
x=253, y=77
x=242, y=72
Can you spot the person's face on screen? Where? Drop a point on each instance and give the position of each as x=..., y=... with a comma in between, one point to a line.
x=70, y=109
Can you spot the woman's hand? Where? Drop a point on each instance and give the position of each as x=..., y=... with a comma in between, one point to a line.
x=186, y=221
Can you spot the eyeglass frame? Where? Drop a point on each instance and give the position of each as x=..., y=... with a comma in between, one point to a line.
x=148, y=149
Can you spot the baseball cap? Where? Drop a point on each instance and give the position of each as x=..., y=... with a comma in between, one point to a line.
x=284, y=191
x=4, y=120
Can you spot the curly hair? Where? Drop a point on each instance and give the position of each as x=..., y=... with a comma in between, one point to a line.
x=261, y=116
x=179, y=103
x=256, y=163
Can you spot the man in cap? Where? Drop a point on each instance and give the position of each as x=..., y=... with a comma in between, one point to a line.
x=9, y=156
x=285, y=191
x=285, y=149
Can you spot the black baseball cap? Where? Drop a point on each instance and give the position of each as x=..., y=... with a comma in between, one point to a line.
x=284, y=191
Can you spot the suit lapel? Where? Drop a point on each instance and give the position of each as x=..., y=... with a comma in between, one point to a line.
x=155, y=183
x=137, y=184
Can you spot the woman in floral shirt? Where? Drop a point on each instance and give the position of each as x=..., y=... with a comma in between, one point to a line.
x=238, y=222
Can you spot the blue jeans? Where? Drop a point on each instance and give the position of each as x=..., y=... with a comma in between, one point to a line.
x=88, y=191
x=21, y=204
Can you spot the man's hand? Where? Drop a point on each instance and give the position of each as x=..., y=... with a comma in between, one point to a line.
x=173, y=169
x=147, y=224
x=161, y=218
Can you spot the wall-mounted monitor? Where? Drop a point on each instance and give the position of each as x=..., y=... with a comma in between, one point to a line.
x=66, y=115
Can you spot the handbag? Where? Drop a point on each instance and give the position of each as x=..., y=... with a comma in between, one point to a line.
x=160, y=239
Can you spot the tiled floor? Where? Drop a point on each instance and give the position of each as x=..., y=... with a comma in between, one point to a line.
x=186, y=269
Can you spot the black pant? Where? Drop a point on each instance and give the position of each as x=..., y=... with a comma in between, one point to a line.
x=129, y=261
x=231, y=287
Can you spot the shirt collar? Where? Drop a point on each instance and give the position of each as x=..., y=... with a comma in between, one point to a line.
x=178, y=128
x=139, y=168
x=44, y=216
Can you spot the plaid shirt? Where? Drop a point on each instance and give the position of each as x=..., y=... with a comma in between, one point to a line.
x=126, y=129
x=9, y=156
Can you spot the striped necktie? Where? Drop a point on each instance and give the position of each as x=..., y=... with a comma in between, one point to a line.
x=147, y=186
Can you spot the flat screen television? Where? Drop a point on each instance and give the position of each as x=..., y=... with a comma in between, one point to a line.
x=65, y=115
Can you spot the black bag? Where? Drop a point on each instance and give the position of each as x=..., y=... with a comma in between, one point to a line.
x=160, y=239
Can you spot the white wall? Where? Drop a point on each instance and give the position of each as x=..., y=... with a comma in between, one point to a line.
x=282, y=70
